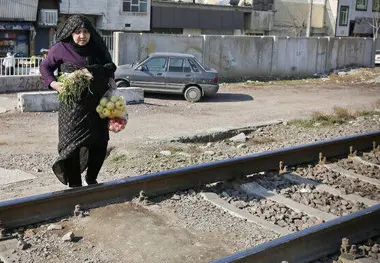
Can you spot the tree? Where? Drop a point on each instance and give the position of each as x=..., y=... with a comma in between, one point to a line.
x=375, y=21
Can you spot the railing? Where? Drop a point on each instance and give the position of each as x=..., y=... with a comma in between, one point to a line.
x=23, y=66
x=109, y=43
x=48, y=17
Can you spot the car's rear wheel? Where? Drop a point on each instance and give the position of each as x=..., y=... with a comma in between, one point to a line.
x=122, y=84
x=193, y=94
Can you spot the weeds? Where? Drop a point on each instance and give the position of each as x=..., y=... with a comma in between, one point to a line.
x=339, y=116
x=119, y=158
x=261, y=140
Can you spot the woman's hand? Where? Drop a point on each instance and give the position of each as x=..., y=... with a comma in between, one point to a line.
x=56, y=85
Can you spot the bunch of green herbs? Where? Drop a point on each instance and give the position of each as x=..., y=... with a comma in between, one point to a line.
x=73, y=85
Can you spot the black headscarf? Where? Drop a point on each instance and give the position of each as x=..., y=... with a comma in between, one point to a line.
x=96, y=45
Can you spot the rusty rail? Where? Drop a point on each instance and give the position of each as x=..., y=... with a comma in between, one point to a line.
x=315, y=242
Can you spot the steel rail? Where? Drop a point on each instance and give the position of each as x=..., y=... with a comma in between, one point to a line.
x=315, y=242
x=34, y=209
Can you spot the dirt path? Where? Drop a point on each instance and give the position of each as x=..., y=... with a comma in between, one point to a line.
x=170, y=116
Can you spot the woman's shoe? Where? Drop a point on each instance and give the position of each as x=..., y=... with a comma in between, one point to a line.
x=90, y=182
x=74, y=185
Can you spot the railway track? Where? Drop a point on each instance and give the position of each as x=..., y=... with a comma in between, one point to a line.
x=312, y=195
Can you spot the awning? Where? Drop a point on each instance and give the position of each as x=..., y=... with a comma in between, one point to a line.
x=363, y=26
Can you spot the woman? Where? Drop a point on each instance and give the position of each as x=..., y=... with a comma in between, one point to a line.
x=83, y=135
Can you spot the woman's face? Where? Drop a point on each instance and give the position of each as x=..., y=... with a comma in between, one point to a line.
x=81, y=36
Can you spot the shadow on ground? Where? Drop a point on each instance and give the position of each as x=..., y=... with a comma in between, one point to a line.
x=219, y=97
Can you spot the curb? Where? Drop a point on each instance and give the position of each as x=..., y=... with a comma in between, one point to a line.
x=47, y=101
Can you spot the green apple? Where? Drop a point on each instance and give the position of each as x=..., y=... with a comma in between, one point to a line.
x=103, y=101
x=114, y=98
x=119, y=105
x=110, y=105
x=106, y=112
x=99, y=109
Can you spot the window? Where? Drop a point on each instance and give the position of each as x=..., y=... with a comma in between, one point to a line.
x=343, y=15
x=186, y=66
x=361, y=5
x=176, y=65
x=193, y=65
x=376, y=5
x=135, y=6
x=156, y=64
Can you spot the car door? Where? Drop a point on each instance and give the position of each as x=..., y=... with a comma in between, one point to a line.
x=178, y=74
x=151, y=74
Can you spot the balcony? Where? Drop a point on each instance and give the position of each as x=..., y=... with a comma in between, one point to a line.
x=48, y=17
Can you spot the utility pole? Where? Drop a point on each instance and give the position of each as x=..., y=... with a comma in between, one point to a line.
x=308, y=28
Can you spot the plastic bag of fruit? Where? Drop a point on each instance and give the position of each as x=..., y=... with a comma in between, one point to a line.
x=112, y=106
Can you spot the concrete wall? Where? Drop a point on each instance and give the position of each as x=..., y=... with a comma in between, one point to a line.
x=240, y=57
x=350, y=51
x=21, y=83
x=130, y=47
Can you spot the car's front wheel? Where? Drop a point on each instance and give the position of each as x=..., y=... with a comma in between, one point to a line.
x=193, y=94
x=122, y=84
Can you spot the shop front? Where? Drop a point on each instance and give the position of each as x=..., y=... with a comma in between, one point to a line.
x=16, y=38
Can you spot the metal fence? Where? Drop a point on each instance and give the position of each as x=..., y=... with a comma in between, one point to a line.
x=20, y=66
x=109, y=42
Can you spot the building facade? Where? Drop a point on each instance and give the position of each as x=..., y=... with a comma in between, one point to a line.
x=17, y=28
x=358, y=18
x=46, y=26
x=111, y=15
x=27, y=26
x=209, y=18
x=292, y=17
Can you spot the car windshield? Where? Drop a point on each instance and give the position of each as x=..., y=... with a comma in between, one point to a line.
x=140, y=61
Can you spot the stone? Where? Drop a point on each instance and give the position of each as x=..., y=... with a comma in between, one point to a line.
x=240, y=146
x=375, y=248
x=166, y=153
x=21, y=244
x=176, y=197
x=54, y=227
x=239, y=138
x=68, y=237
x=78, y=211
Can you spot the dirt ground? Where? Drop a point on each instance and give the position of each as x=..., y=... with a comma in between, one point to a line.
x=236, y=105
x=190, y=230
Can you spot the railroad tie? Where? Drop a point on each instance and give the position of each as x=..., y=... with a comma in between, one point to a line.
x=349, y=174
x=361, y=160
x=234, y=211
x=296, y=178
x=254, y=188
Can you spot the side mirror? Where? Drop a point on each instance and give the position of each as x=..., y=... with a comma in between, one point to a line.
x=144, y=68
